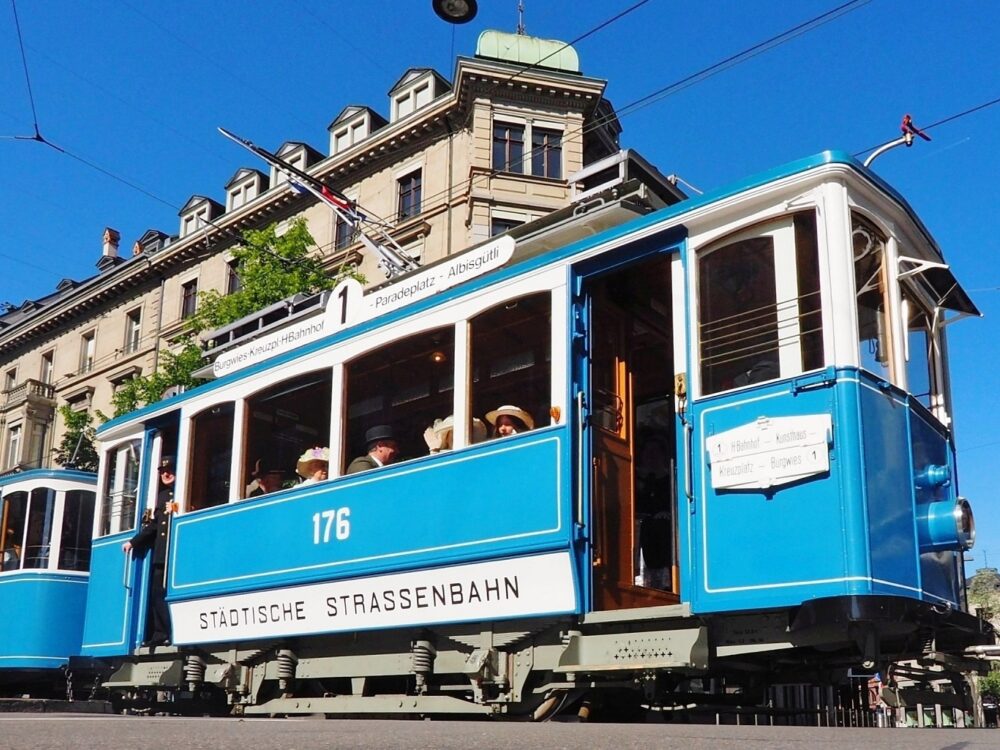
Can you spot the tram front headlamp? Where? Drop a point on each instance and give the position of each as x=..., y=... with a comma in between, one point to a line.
x=946, y=525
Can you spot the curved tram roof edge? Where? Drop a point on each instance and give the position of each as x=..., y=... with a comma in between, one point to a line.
x=668, y=217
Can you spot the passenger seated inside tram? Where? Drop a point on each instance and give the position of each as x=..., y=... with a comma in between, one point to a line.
x=266, y=479
x=383, y=449
x=440, y=435
x=313, y=466
x=10, y=558
x=509, y=420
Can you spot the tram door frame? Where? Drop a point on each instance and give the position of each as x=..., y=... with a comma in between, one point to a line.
x=609, y=445
x=161, y=439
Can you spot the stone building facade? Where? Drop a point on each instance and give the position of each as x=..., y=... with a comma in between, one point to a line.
x=453, y=163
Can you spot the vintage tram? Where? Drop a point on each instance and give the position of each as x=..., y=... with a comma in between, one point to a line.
x=741, y=471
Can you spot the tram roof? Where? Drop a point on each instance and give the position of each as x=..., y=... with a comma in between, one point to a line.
x=31, y=475
x=951, y=295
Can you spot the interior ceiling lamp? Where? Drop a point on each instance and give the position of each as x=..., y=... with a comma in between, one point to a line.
x=456, y=11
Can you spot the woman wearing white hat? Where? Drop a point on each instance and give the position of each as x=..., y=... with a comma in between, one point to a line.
x=314, y=465
x=509, y=420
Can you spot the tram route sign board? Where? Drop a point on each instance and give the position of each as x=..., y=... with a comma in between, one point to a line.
x=348, y=305
x=770, y=451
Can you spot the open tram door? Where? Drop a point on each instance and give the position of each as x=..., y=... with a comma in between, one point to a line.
x=630, y=433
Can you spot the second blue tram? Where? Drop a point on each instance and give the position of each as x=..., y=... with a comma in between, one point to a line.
x=741, y=466
x=46, y=524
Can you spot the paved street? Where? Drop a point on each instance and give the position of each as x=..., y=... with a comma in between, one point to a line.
x=57, y=732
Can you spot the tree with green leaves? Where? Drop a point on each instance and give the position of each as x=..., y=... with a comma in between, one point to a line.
x=271, y=267
x=76, y=449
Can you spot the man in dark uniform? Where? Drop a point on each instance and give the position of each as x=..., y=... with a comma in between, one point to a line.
x=154, y=535
x=382, y=450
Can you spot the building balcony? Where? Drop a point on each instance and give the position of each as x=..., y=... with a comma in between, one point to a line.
x=30, y=391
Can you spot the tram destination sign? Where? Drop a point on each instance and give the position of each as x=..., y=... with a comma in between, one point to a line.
x=518, y=587
x=348, y=305
x=770, y=451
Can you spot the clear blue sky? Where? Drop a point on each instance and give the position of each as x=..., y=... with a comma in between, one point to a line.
x=138, y=89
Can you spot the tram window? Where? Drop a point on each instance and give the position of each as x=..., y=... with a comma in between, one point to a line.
x=15, y=512
x=759, y=310
x=37, y=542
x=919, y=350
x=874, y=342
x=211, y=456
x=120, y=488
x=406, y=385
x=285, y=420
x=512, y=357
x=77, y=524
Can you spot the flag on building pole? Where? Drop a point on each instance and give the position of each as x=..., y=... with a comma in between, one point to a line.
x=392, y=259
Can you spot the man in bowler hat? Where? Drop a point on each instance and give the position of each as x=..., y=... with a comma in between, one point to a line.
x=382, y=450
x=154, y=535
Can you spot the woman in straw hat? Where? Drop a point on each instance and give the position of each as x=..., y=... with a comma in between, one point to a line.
x=509, y=420
x=314, y=465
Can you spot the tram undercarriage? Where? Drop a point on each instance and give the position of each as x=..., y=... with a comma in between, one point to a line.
x=660, y=659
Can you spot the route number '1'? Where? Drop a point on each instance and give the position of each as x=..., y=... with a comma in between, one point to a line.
x=336, y=522
x=344, y=306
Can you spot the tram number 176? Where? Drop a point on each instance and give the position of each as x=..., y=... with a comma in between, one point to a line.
x=335, y=522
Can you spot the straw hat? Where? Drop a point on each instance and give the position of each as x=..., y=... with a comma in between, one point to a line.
x=313, y=454
x=511, y=411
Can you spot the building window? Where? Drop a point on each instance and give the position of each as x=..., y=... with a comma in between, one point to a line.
x=346, y=236
x=233, y=281
x=546, y=153
x=133, y=331
x=189, y=298
x=501, y=226
x=10, y=379
x=46, y=372
x=409, y=195
x=508, y=147
x=13, y=446
x=87, y=347
x=194, y=221
x=241, y=195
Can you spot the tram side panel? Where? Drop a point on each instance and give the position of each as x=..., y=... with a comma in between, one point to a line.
x=480, y=533
x=775, y=519
x=40, y=628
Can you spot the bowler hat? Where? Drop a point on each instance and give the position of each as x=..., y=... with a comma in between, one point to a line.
x=167, y=463
x=377, y=433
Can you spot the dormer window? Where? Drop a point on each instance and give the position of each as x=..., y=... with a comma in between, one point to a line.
x=416, y=89
x=246, y=185
x=298, y=155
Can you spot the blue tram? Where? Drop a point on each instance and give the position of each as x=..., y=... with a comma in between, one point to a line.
x=740, y=466
x=45, y=534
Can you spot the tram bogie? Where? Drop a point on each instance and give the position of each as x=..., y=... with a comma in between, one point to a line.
x=734, y=467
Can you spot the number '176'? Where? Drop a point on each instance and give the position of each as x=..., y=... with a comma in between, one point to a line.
x=335, y=522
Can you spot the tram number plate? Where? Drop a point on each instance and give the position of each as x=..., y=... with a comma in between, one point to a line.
x=332, y=524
